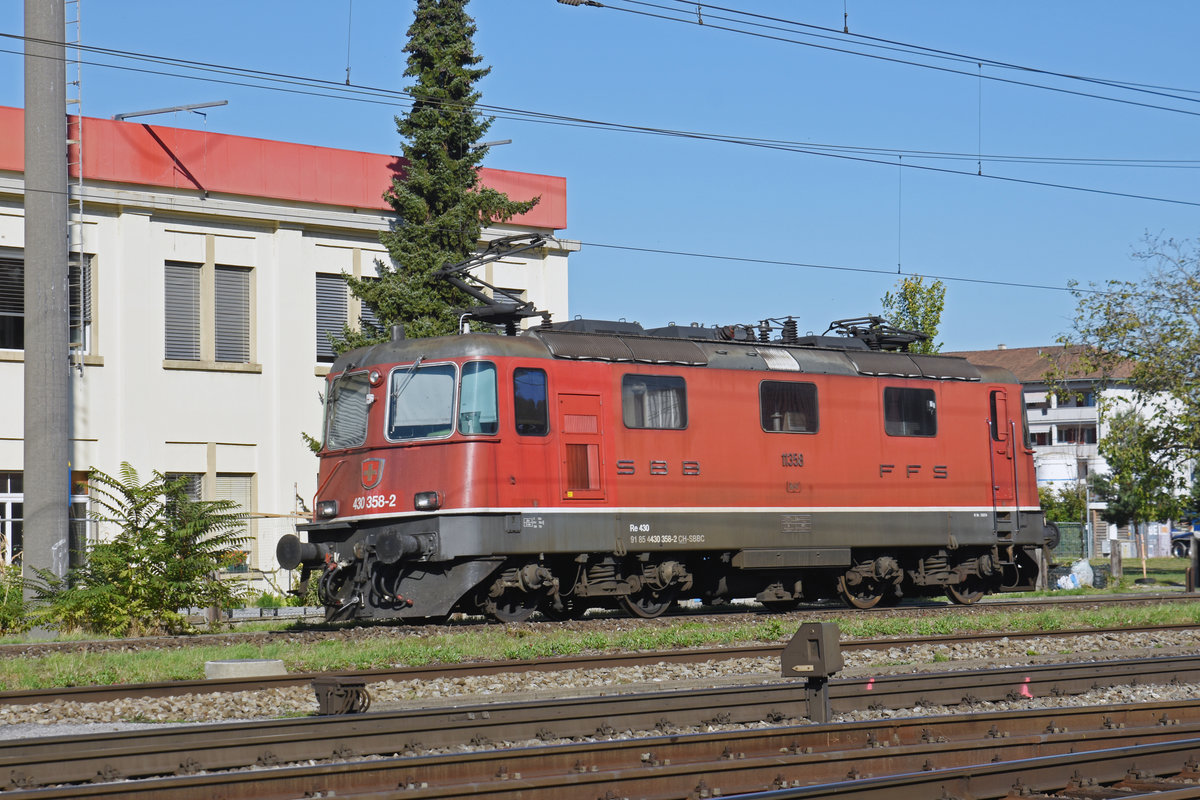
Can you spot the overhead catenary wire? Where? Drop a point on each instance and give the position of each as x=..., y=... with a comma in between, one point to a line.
x=390, y=97
x=1165, y=92
x=949, y=54
x=322, y=88
x=382, y=96
x=183, y=204
x=339, y=89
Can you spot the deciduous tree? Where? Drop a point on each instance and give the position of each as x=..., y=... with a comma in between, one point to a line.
x=917, y=307
x=1066, y=504
x=1138, y=487
x=1153, y=327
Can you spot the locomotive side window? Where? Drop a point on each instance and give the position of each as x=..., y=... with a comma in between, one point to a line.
x=421, y=402
x=346, y=412
x=654, y=401
x=994, y=420
x=531, y=406
x=909, y=412
x=477, y=410
x=788, y=407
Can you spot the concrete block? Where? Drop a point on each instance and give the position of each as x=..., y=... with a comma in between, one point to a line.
x=243, y=668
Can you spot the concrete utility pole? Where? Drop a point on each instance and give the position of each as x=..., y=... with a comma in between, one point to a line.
x=47, y=367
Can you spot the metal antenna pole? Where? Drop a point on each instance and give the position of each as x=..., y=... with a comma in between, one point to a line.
x=47, y=361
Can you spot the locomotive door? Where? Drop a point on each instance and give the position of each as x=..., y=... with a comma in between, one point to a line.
x=580, y=437
x=1003, y=447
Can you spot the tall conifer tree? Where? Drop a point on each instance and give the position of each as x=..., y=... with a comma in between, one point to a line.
x=440, y=204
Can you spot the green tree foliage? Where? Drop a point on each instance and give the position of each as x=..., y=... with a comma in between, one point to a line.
x=917, y=307
x=1067, y=504
x=164, y=557
x=1138, y=487
x=14, y=611
x=440, y=205
x=1151, y=327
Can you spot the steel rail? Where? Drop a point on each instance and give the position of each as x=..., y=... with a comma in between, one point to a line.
x=169, y=750
x=93, y=694
x=1138, y=767
x=717, y=763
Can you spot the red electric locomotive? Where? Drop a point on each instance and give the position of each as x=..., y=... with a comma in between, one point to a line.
x=593, y=464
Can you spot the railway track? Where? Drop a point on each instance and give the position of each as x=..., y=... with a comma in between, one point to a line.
x=90, y=694
x=169, y=751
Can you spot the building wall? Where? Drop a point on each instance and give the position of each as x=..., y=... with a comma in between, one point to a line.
x=244, y=420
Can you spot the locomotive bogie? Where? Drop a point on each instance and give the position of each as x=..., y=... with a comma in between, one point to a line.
x=556, y=471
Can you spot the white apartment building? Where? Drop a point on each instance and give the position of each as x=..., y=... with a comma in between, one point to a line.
x=1066, y=427
x=208, y=274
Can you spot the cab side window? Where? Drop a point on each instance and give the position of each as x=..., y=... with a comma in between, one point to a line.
x=531, y=407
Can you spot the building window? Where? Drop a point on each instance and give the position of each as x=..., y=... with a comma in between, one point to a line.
x=232, y=314
x=1041, y=438
x=237, y=488
x=654, y=401
x=909, y=412
x=1080, y=398
x=787, y=407
x=12, y=523
x=1077, y=434
x=12, y=505
x=531, y=408
x=192, y=332
x=183, y=312
x=333, y=314
x=12, y=301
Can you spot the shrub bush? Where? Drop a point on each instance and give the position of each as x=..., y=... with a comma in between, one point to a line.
x=165, y=557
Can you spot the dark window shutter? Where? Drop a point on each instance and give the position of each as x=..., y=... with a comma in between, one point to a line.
x=12, y=304
x=79, y=290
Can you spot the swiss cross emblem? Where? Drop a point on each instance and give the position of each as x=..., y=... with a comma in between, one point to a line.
x=372, y=472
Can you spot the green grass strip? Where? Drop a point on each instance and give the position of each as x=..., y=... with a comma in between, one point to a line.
x=413, y=647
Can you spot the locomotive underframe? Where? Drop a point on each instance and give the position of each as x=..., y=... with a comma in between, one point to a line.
x=425, y=567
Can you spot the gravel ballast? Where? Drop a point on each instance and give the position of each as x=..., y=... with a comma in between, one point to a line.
x=67, y=718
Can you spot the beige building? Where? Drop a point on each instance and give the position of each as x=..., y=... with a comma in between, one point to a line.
x=206, y=272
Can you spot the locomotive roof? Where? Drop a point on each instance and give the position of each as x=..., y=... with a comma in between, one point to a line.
x=826, y=355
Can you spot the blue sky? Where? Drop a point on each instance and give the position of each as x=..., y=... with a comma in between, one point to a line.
x=739, y=202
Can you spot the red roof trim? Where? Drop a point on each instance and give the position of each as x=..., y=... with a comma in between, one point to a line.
x=154, y=155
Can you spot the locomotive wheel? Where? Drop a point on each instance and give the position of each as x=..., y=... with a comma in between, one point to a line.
x=966, y=593
x=867, y=594
x=512, y=606
x=649, y=604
